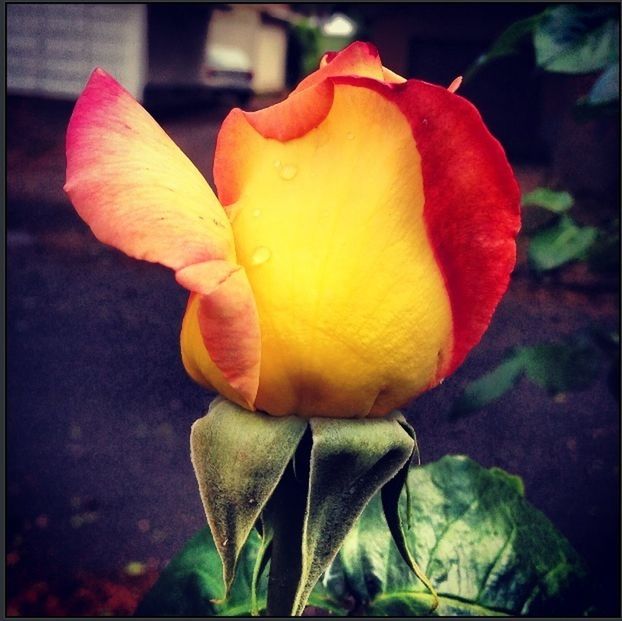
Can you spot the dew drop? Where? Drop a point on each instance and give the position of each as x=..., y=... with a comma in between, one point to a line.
x=225, y=542
x=261, y=255
x=277, y=163
x=350, y=136
x=288, y=172
x=256, y=213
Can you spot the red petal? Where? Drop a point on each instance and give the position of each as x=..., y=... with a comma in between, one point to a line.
x=472, y=206
x=472, y=203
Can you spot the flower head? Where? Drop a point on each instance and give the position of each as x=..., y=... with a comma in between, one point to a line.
x=363, y=234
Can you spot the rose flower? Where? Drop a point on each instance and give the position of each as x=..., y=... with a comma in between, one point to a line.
x=363, y=233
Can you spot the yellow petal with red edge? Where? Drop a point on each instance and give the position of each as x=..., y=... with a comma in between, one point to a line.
x=354, y=315
x=360, y=59
x=134, y=187
x=304, y=109
x=221, y=340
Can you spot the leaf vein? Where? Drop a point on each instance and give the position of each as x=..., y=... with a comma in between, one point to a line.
x=446, y=530
x=494, y=563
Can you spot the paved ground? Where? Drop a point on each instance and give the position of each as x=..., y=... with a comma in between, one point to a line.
x=99, y=407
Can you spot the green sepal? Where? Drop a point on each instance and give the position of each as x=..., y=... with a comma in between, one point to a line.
x=238, y=458
x=349, y=461
x=390, y=505
x=263, y=557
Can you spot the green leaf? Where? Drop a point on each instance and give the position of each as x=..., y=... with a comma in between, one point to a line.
x=559, y=244
x=238, y=458
x=485, y=548
x=490, y=387
x=576, y=39
x=350, y=460
x=556, y=367
x=560, y=367
x=551, y=200
x=606, y=89
x=488, y=551
x=507, y=43
x=191, y=584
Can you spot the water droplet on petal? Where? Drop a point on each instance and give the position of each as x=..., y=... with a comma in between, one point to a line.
x=261, y=255
x=256, y=213
x=288, y=172
x=350, y=136
x=277, y=163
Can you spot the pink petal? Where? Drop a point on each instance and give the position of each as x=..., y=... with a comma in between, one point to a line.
x=228, y=321
x=134, y=187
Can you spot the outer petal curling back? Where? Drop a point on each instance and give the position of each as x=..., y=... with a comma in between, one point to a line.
x=134, y=187
x=360, y=59
x=304, y=109
x=228, y=322
x=291, y=118
x=296, y=115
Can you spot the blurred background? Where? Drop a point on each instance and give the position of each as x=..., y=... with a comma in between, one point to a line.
x=100, y=491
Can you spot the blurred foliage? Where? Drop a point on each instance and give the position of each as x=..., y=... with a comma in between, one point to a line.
x=507, y=44
x=552, y=200
x=314, y=44
x=573, y=364
x=489, y=387
x=557, y=367
x=606, y=89
x=560, y=243
x=561, y=240
x=486, y=549
x=308, y=34
x=571, y=39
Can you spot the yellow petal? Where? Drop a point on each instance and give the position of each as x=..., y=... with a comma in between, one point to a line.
x=354, y=314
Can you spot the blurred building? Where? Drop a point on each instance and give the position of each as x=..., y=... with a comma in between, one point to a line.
x=52, y=48
x=180, y=52
x=261, y=33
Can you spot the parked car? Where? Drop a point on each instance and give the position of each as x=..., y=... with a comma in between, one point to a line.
x=228, y=70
